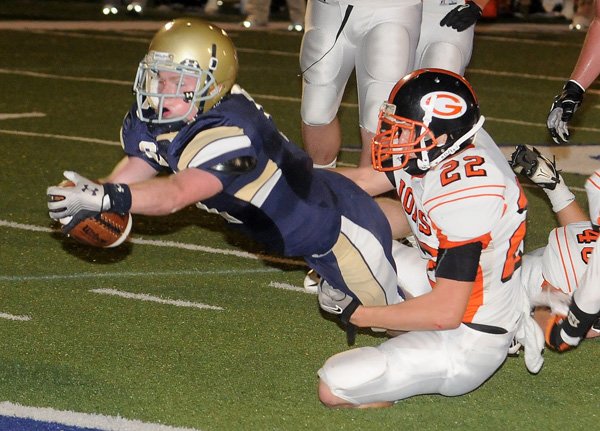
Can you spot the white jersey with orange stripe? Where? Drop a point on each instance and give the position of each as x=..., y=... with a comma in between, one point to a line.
x=472, y=196
x=592, y=188
x=567, y=255
x=566, y=264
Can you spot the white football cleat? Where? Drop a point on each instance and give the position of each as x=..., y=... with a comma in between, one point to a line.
x=514, y=348
x=311, y=281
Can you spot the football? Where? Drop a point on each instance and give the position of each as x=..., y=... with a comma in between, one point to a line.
x=105, y=230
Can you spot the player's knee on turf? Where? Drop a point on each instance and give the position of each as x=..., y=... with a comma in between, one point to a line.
x=344, y=375
x=442, y=55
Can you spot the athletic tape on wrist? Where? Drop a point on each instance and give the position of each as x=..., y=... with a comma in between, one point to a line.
x=561, y=196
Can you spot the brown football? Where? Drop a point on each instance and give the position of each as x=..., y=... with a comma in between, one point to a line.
x=104, y=230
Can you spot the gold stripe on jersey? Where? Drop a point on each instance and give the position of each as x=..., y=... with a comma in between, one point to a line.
x=356, y=273
x=258, y=190
x=203, y=139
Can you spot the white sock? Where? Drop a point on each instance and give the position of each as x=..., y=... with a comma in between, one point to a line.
x=333, y=164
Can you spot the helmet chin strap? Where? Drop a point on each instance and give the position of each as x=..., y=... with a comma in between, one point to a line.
x=454, y=148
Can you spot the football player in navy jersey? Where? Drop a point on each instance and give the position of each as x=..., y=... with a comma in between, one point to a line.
x=222, y=152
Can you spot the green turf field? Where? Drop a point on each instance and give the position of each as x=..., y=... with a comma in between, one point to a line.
x=249, y=362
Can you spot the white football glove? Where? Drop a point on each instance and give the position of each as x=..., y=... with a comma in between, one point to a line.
x=336, y=302
x=86, y=195
x=531, y=337
x=311, y=281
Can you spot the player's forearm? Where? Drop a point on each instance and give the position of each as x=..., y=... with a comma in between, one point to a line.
x=587, y=68
x=155, y=197
x=368, y=179
x=405, y=316
x=166, y=195
x=437, y=310
x=572, y=213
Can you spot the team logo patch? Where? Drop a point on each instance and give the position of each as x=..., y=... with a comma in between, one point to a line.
x=444, y=105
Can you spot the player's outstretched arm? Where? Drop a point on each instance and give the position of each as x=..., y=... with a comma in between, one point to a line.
x=166, y=195
x=587, y=67
x=585, y=72
x=368, y=179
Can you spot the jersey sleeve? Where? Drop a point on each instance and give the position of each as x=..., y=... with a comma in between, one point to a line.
x=225, y=152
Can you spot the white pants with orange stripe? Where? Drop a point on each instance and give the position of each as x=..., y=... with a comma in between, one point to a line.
x=449, y=363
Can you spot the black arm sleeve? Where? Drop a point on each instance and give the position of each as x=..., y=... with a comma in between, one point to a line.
x=578, y=322
x=459, y=263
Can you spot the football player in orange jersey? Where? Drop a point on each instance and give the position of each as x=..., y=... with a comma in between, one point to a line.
x=464, y=206
x=564, y=275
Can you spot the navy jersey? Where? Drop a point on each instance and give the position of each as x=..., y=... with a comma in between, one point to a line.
x=270, y=189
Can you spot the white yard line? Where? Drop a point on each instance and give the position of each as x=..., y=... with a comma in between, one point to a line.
x=172, y=244
x=157, y=299
x=98, y=275
x=8, y=316
x=13, y=116
x=286, y=286
x=83, y=420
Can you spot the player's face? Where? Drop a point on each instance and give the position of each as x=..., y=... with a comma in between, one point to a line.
x=169, y=83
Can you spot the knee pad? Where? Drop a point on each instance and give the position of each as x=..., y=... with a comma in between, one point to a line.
x=319, y=104
x=387, y=53
x=353, y=368
x=324, y=77
x=442, y=55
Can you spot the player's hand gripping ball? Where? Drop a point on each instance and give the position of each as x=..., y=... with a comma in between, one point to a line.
x=105, y=229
